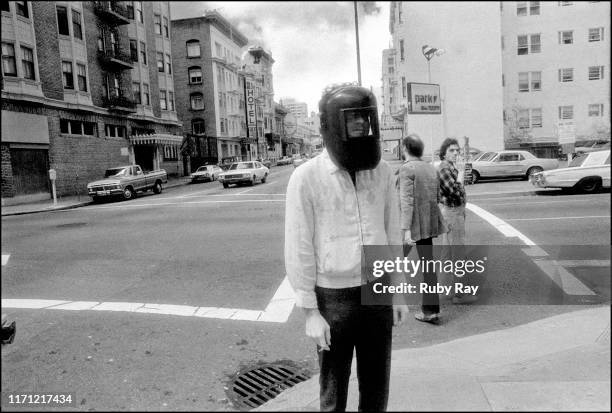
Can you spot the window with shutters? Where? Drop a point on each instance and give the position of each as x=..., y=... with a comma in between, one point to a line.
x=566, y=75
x=596, y=72
x=596, y=34
x=566, y=112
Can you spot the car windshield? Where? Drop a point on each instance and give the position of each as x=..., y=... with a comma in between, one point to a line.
x=246, y=165
x=578, y=160
x=487, y=157
x=115, y=172
x=202, y=169
x=596, y=158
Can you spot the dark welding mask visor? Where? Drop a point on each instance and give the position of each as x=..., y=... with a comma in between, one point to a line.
x=358, y=123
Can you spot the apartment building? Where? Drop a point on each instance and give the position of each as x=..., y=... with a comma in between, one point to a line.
x=76, y=101
x=210, y=89
x=297, y=109
x=468, y=69
x=556, y=73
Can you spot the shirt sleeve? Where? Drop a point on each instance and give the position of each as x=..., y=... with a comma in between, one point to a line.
x=300, y=263
x=392, y=220
x=406, y=195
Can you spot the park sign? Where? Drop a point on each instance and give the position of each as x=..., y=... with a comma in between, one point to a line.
x=424, y=99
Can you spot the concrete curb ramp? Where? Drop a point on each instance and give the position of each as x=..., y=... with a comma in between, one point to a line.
x=558, y=363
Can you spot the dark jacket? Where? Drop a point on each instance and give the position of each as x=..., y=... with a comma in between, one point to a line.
x=419, y=194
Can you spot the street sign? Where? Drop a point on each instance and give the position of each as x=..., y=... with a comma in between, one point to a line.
x=391, y=134
x=424, y=99
x=566, y=130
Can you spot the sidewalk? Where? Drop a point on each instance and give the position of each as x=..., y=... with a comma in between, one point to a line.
x=561, y=363
x=29, y=204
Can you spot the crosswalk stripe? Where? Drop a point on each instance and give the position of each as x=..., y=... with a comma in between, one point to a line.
x=5, y=258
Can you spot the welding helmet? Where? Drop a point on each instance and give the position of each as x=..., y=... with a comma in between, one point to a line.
x=349, y=126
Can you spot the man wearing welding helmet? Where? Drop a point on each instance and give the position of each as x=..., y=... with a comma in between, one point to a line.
x=337, y=202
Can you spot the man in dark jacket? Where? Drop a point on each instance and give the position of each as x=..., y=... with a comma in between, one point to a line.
x=420, y=216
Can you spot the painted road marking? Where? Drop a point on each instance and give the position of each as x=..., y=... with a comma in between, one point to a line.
x=564, y=217
x=5, y=258
x=278, y=310
x=537, y=202
x=191, y=203
x=558, y=274
x=584, y=263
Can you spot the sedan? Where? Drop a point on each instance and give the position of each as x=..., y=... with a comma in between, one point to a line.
x=587, y=172
x=510, y=164
x=244, y=172
x=206, y=173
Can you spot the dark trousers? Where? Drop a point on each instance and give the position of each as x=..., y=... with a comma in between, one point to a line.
x=431, y=301
x=367, y=329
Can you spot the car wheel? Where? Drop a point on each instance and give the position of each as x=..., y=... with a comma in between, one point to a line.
x=252, y=181
x=263, y=180
x=225, y=185
x=157, y=189
x=129, y=193
x=533, y=170
x=475, y=176
x=590, y=185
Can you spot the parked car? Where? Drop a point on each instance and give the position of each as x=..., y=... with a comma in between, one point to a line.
x=266, y=162
x=587, y=172
x=501, y=164
x=206, y=173
x=299, y=160
x=244, y=172
x=125, y=181
x=285, y=160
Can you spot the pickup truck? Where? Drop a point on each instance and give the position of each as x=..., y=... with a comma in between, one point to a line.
x=125, y=181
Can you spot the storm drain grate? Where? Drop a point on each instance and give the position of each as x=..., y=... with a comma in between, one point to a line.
x=253, y=387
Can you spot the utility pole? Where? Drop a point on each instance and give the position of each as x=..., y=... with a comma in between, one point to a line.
x=357, y=38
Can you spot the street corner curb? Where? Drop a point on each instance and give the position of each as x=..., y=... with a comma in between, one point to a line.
x=296, y=398
x=82, y=204
x=507, y=194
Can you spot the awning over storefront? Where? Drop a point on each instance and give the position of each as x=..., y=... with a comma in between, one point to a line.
x=21, y=127
x=156, y=139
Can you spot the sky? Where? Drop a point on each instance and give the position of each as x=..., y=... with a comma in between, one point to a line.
x=313, y=43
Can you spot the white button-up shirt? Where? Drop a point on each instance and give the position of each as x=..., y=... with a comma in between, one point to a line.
x=328, y=219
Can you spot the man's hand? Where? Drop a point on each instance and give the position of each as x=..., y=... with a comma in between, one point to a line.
x=408, y=237
x=400, y=313
x=317, y=328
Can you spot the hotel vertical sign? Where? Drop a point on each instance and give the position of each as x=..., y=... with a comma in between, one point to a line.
x=251, y=111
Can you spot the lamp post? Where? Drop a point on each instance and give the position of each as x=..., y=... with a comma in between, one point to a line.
x=357, y=43
x=429, y=52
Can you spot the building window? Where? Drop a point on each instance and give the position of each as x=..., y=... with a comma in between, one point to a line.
x=566, y=37
x=143, y=53
x=157, y=24
x=534, y=8
x=566, y=112
x=166, y=28
x=503, y=46
x=523, y=118
x=115, y=131
x=536, y=118
x=566, y=3
x=114, y=43
x=596, y=72
x=403, y=86
x=197, y=126
x=170, y=153
x=197, y=101
x=218, y=49
x=67, y=75
x=195, y=75
x=402, y=50
x=22, y=9
x=566, y=75
x=4, y=6
x=390, y=61
x=521, y=8
x=77, y=28
x=222, y=126
x=596, y=109
x=523, y=45
x=27, y=63
x=146, y=94
x=596, y=34
x=171, y=100
x=82, y=77
x=134, y=50
x=193, y=48
x=136, y=92
x=76, y=127
x=130, y=10
x=138, y=7
x=160, y=62
x=168, y=64
x=115, y=86
x=523, y=82
x=163, y=101
x=536, y=81
x=62, y=21
x=535, y=43
x=9, y=65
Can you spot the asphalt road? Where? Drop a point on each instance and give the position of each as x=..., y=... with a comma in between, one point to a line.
x=204, y=246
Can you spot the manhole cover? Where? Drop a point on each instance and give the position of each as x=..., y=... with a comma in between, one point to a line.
x=72, y=225
x=254, y=386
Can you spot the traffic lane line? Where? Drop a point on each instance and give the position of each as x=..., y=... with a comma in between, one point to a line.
x=190, y=203
x=568, y=283
x=540, y=202
x=5, y=259
x=563, y=217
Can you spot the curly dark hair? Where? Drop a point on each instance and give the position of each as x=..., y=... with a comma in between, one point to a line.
x=445, y=144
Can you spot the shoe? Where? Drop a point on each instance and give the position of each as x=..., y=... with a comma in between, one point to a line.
x=465, y=299
x=427, y=318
